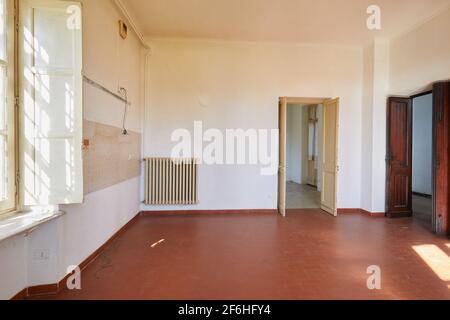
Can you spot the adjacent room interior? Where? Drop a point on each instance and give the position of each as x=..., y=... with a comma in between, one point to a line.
x=308, y=154
x=422, y=179
x=304, y=156
x=156, y=150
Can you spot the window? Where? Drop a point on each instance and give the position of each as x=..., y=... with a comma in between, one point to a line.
x=7, y=109
x=50, y=91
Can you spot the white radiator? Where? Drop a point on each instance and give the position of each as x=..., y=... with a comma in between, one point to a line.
x=170, y=181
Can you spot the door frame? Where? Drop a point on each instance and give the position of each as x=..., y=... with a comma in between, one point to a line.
x=435, y=163
x=283, y=104
x=433, y=152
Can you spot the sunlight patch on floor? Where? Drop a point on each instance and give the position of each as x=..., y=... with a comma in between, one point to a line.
x=157, y=243
x=436, y=259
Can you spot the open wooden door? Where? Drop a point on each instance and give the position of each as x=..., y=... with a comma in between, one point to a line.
x=399, y=158
x=441, y=157
x=330, y=156
x=282, y=157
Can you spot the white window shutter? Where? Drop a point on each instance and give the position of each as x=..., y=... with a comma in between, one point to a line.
x=51, y=95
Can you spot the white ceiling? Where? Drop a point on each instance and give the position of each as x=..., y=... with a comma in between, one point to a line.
x=304, y=21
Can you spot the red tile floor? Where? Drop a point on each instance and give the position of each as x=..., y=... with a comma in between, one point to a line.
x=308, y=255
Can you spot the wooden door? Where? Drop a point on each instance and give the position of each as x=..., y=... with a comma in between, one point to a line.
x=399, y=158
x=441, y=158
x=330, y=156
x=282, y=157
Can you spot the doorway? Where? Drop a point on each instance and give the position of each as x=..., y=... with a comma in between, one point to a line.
x=308, y=170
x=303, y=156
x=402, y=197
x=422, y=159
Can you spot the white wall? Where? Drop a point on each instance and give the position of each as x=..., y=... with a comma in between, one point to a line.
x=294, y=144
x=114, y=63
x=72, y=238
x=367, y=128
x=380, y=94
x=375, y=89
x=13, y=266
x=237, y=85
x=423, y=144
x=102, y=214
x=421, y=57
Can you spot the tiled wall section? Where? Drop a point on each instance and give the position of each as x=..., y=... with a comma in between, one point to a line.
x=110, y=157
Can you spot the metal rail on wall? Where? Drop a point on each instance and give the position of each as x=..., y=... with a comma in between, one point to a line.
x=100, y=87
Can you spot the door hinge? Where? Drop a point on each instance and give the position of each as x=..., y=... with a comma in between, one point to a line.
x=16, y=102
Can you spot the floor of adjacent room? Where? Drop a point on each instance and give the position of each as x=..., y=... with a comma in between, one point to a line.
x=422, y=210
x=310, y=255
x=302, y=196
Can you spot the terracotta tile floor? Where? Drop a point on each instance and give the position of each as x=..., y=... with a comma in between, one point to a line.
x=308, y=255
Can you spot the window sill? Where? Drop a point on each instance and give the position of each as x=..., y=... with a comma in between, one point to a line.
x=25, y=222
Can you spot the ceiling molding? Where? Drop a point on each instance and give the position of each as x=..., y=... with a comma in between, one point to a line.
x=123, y=9
x=419, y=24
x=321, y=22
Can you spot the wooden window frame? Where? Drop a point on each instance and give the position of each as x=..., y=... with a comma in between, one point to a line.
x=9, y=205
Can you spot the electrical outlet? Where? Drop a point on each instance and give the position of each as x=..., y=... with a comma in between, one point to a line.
x=42, y=255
